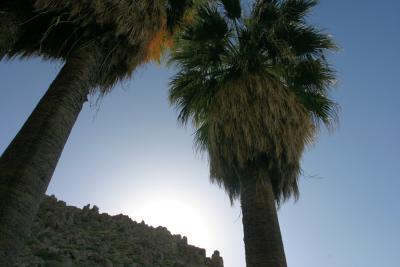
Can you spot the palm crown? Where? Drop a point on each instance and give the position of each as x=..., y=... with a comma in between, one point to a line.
x=256, y=89
x=129, y=33
x=101, y=42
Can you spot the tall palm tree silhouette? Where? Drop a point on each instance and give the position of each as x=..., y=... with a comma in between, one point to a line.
x=101, y=42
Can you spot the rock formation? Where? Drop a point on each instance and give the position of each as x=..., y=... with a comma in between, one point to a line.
x=65, y=236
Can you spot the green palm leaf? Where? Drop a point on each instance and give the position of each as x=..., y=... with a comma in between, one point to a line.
x=255, y=89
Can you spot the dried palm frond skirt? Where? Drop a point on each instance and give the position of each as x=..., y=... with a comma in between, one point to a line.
x=122, y=29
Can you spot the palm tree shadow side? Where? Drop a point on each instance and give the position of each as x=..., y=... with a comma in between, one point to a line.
x=101, y=43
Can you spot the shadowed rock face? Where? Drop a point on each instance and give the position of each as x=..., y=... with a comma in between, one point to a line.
x=68, y=236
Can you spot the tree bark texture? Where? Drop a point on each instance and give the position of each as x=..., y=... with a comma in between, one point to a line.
x=27, y=165
x=262, y=235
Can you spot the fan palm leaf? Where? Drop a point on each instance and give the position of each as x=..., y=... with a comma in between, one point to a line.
x=258, y=77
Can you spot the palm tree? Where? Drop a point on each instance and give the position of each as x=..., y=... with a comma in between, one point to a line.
x=256, y=89
x=101, y=43
x=10, y=18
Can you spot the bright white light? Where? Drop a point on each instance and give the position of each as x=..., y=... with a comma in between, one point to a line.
x=163, y=197
x=179, y=217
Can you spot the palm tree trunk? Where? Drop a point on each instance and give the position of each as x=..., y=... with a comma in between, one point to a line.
x=262, y=235
x=27, y=165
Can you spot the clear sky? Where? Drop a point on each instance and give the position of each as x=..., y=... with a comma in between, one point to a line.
x=127, y=154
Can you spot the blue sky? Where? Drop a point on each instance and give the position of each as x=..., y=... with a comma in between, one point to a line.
x=128, y=149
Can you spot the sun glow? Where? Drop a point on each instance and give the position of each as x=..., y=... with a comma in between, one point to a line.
x=163, y=196
x=179, y=216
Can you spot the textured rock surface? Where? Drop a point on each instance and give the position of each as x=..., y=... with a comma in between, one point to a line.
x=68, y=236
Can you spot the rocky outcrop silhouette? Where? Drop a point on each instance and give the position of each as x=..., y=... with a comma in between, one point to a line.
x=66, y=236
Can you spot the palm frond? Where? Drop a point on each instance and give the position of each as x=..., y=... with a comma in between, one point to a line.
x=306, y=40
x=255, y=92
x=296, y=10
x=175, y=12
x=233, y=8
x=321, y=108
x=129, y=33
x=209, y=25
